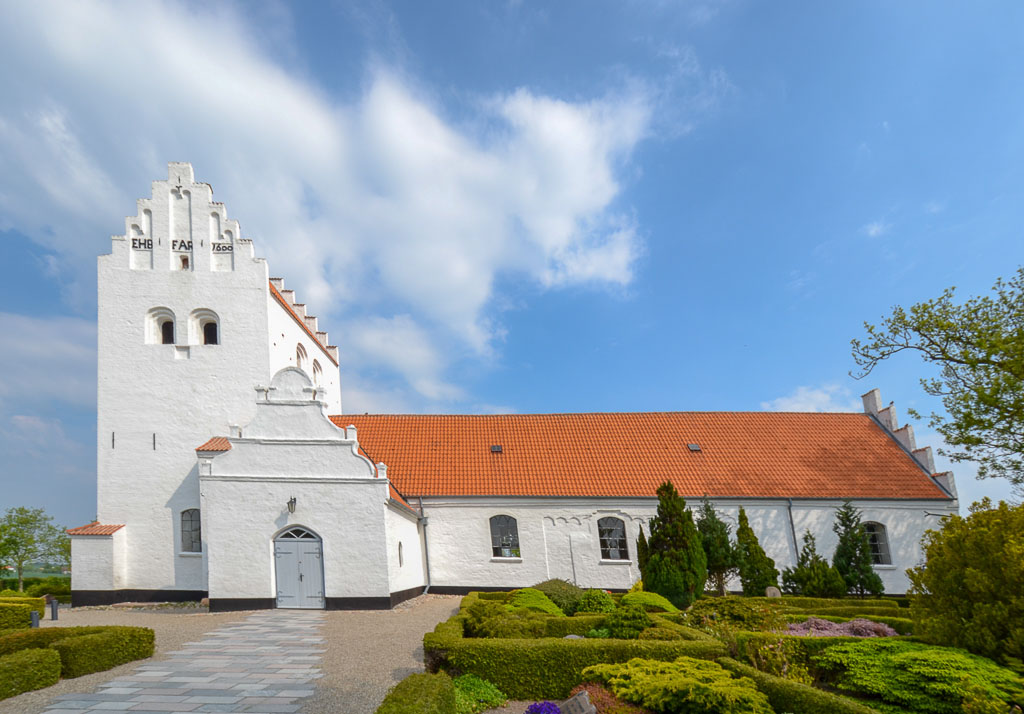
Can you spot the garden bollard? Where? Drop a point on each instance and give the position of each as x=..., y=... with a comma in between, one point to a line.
x=53, y=608
x=35, y=618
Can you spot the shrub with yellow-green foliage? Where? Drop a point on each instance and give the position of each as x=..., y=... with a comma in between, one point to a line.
x=15, y=615
x=652, y=602
x=683, y=685
x=533, y=599
x=594, y=600
x=84, y=650
x=420, y=694
x=27, y=670
x=970, y=591
x=36, y=603
x=744, y=613
x=785, y=695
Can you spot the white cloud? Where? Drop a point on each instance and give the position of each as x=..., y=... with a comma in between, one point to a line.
x=876, y=229
x=47, y=359
x=934, y=207
x=383, y=199
x=824, y=398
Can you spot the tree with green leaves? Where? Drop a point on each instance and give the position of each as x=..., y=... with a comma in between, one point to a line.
x=27, y=535
x=970, y=590
x=641, y=551
x=718, y=547
x=757, y=570
x=978, y=347
x=853, y=553
x=812, y=576
x=676, y=565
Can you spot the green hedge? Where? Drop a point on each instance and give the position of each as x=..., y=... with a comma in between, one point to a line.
x=810, y=603
x=652, y=602
x=28, y=670
x=902, y=625
x=13, y=616
x=805, y=647
x=788, y=696
x=84, y=650
x=575, y=625
x=420, y=694
x=36, y=603
x=546, y=667
x=104, y=650
x=867, y=612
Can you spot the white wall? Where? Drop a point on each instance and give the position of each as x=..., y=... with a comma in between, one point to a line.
x=403, y=527
x=285, y=335
x=460, y=545
x=93, y=558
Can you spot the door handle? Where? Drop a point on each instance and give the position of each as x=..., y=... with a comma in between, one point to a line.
x=300, y=577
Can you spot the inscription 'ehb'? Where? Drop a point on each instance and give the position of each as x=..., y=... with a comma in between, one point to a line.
x=179, y=245
x=142, y=243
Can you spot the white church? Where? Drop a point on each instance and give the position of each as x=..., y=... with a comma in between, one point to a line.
x=227, y=468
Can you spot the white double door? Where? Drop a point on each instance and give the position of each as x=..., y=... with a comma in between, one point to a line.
x=299, y=569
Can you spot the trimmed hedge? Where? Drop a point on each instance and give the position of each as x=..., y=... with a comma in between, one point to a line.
x=652, y=602
x=903, y=625
x=36, y=603
x=420, y=694
x=104, y=650
x=806, y=648
x=788, y=696
x=15, y=616
x=28, y=670
x=815, y=603
x=866, y=612
x=546, y=667
x=575, y=625
x=84, y=650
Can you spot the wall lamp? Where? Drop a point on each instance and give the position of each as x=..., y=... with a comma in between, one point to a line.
x=291, y=504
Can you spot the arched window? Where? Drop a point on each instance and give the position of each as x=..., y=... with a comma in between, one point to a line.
x=204, y=327
x=160, y=326
x=318, y=374
x=611, y=532
x=300, y=356
x=401, y=560
x=191, y=532
x=878, y=543
x=504, y=537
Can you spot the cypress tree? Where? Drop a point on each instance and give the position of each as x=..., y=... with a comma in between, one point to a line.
x=853, y=554
x=676, y=564
x=641, y=552
x=757, y=570
x=812, y=576
x=718, y=548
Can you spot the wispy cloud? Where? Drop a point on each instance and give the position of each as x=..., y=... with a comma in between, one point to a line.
x=934, y=207
x=876, y=229
x=823, y=398
x=47, y=359
x=383, y=206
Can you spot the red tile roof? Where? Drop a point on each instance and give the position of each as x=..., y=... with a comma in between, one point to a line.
x=95, y=529
x=302, y=323
x=398, y=497
x=742, y=455
x=216, y=444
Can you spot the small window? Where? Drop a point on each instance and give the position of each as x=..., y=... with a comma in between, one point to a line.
x=184, y=262
x=611, y=532
x=210, y=333
x=318, y=373
x=878, y=543
x=401, y=560
x=191, y=532
x=167, y=332
x=504, y=537
x=300, y=356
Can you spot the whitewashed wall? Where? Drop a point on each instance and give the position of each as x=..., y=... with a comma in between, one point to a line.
x=558, y=537
x=101, y=561
x=403, y=527
x=285, y=335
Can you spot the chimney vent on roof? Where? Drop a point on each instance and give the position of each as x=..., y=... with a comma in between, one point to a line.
x=496, y=448
x=693, y=447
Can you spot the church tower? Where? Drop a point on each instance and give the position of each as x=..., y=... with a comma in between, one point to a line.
x=189, y=324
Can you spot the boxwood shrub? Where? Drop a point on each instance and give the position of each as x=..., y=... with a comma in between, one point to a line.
x=15, y=615
x=420, y=694
x=27, y=670
x=103, y=650
x=532, y=599
x=786, y=695
x=652, y=602
x=36, y=603
x=867, y=612
x=816, y=603
x=562, y=593
x=545, y=667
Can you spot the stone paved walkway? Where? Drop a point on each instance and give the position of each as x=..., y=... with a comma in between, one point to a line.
x=266, y=664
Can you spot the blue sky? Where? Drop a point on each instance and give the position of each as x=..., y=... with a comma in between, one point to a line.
x=517, y=206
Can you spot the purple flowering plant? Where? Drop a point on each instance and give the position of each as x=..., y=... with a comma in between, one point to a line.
x=543, y=708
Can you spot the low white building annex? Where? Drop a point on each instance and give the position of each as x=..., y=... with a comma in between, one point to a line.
x=226, y=467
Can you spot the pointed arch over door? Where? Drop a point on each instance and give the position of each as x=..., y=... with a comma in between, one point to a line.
x=299, y=569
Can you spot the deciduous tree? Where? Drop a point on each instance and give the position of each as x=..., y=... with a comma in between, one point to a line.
x=676, y=565
x=978, y=347
x=27, y=535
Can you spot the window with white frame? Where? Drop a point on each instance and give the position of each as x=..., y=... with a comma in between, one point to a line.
x=191, y=533
x=611, y=533
x=878, y=543
x=504, y=537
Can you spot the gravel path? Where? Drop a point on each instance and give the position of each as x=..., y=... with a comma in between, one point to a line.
x=369, y=651
x=173, y=629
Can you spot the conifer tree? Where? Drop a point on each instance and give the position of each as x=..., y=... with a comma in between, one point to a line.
x=641, y=551
x=676, y=566
x=718, y=548
x=757, y=570
x=853, y=554
x=812, y=576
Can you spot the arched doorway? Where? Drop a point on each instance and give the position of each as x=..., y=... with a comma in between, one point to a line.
x=299, y=569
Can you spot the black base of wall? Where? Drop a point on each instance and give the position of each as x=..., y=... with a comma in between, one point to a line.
x=403, y=595
x=464, y=589
x=232, y=604
x=82, y=598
